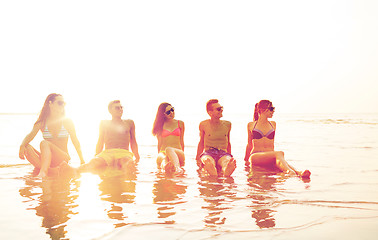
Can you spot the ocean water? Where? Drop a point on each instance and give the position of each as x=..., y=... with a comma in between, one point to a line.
x=340, y=200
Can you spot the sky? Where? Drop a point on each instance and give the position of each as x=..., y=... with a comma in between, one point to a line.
x=304, y=56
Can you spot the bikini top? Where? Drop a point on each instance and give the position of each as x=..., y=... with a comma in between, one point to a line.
x=63, y=133
x=258, y=134
x=176, y=132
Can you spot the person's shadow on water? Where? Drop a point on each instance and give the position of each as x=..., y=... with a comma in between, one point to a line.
x=168, y=192
x=117, y=188
x=52, y=199
x=218, y=193
x=264, y=184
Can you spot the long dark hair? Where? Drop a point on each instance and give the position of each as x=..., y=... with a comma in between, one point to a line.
x=45, y=112
x=261, y=107
x=160, y=119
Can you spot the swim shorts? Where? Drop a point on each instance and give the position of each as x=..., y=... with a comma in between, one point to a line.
x=109, y=155
x=215, y=153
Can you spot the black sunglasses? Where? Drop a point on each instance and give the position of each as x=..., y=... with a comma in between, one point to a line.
x=219, y=109
x=61, y=103
x=169, y=111
x=271, y=109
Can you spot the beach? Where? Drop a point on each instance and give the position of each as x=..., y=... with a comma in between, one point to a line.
x=339, y=201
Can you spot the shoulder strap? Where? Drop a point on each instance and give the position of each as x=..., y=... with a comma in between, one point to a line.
x=254, y=126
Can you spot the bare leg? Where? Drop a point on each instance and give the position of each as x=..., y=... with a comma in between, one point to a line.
x=228, y=165
x=163, y=163
x=93, y=166
x=49, y=153
x=209, y=165
x=126, y=164
x=160, y=160
x=174, y=157
x=276, y=158
x=33, y=156
x=285, y=165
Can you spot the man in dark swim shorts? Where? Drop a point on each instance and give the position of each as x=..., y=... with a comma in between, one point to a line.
x=214, y=148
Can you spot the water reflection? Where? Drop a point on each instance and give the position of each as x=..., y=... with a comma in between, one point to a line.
x=263, y=183
x=168, y=192
x=218, y=193
x=55, y=202
x=118, y=190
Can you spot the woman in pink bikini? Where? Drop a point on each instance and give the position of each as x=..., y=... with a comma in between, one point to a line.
x=260, y=148
x=170, y=135
x=56, y=129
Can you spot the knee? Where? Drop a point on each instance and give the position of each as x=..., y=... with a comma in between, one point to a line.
x=44, y=144
x=280, y=154
x=169, y=150
x=207, y=160
x=29, y=148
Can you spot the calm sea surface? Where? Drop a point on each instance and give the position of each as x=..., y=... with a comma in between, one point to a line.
x=340, y=200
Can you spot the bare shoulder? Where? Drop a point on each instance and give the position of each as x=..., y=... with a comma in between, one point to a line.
x=204, y=124
x=251, y=124
x=274, y=124
x=181, y=123
x=69, y=125
x=68, y=122
x=104, y=123
x=129, y=122
x=227, y=123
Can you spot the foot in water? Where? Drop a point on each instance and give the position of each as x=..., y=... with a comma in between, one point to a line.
x=209, y=167
x=305, y=174
x=230, y=168
x=169, y=168
x=42, y=175
x=67, y=170
x=179, y=171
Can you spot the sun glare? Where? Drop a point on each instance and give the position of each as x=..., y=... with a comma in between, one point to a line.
x=89, y=202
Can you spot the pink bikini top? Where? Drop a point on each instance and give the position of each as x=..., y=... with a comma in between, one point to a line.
x=176, y=132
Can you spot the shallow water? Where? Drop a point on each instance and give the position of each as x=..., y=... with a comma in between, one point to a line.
x=340, y=200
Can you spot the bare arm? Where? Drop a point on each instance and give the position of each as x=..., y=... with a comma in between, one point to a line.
x=101, y=137
x=201, y=145
x=182, y=135
x=75, y=141
x=28, y=139
x=159, y=142
x=133, y=142
x=249, y=144
x=229, y=142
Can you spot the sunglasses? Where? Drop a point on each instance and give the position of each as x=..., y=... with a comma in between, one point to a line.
x=169, y=111
x=61, y=103
x=219, y=109
x=271, y=109
x=118, y=108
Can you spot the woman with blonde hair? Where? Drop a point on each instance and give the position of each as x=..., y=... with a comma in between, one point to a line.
x=56, y=129
x=170, y=135
x=260, y=148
